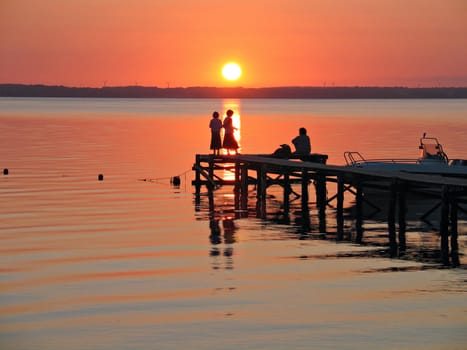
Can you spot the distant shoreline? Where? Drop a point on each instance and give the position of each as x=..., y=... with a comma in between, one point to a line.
x=22, y=90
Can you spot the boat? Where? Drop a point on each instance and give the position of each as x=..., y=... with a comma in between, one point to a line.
x=432, y=161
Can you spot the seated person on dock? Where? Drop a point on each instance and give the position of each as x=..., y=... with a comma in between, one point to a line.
x=302, y=144
x=303, y=149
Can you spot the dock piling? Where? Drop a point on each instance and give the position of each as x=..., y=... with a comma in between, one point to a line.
x=444, y=225
x=340, y=207
x=401, y=214
x=359, y=211
x=454, y=231
x=287, y=192
x=321, y=202
x=392, y=218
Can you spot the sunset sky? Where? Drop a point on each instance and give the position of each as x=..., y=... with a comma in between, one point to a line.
x=182, y=43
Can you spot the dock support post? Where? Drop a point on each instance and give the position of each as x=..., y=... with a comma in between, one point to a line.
x=454, y=231
x=244, y=188
x=444, y=225
x=287, y=191
x=305, y=189
x=305, y=199
x=237, y=177
x=262, y=182
x=237, y=187
x=321, y=201
x=392, y=218
x=402, y=213
x=261, y=192
x=340, y=207
x=211, y=166
x=359, y=210
x=197, y=179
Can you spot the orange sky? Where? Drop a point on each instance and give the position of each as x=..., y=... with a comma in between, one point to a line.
x=277, y=42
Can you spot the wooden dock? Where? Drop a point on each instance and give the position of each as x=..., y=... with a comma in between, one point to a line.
x=262, y=171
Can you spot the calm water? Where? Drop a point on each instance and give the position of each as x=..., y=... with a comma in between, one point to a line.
x=131, y=262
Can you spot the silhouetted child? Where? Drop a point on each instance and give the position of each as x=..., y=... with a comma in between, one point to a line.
x=216, y=126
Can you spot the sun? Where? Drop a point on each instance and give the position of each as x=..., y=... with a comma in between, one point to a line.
x=231, y=71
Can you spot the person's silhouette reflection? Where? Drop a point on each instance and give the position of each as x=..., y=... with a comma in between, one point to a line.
x=229, y=230
x=215, y=238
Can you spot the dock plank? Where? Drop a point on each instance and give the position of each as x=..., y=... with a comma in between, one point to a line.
x=334, y=170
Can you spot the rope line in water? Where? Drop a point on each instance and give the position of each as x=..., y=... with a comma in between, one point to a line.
x=175, y=180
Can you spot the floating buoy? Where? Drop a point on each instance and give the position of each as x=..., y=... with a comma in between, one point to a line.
x=100, y=177
x=5, y=171
x=175, y=181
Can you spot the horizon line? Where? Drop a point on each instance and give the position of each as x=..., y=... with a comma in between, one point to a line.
x=239, y=87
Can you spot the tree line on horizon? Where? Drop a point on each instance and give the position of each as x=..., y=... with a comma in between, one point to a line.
x=23, y=90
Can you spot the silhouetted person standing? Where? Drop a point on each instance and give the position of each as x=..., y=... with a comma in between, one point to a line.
x=216, y=125
x=229, y=139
